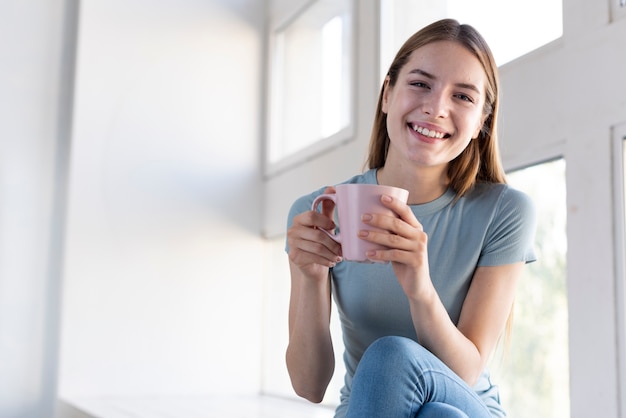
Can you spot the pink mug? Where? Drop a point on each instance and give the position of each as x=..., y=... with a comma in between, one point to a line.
x=352, y=200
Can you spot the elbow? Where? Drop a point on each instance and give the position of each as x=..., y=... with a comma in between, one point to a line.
x=314, y=396
x=307, y=386
x=309, y=380
x=472, y=376
x=471, y=380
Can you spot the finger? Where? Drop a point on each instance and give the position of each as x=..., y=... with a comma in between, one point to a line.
x=401, y=209
x=315, y=254
x=305, y=236
x=387, y=239
x=392, y=224
x=318, y=236
x=313, y=219
x=394, y=256
x=399, y=249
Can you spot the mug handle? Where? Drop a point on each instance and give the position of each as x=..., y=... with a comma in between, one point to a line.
x=316, y=202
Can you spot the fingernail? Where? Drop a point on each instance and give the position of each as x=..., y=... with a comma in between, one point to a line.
x=366, y=217
x=387, y=198
x=363, y=233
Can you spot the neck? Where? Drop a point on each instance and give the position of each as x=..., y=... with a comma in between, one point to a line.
x=424, y=184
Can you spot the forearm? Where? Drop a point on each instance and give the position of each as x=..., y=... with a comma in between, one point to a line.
x=437, y=333
x=310, y=356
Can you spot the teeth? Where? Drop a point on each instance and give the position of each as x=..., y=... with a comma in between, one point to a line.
x=427, y=132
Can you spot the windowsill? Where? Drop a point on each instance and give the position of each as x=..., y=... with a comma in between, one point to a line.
x=309, y=153
x=222, y=406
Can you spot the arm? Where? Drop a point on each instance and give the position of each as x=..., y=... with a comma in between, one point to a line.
x=310, y=357
x=464, y=348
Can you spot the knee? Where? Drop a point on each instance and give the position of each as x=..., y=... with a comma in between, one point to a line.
x=393, y=347
x=393, y=351
x=390, y=362
x=399, y=353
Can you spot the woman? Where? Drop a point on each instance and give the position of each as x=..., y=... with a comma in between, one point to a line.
x=419, y=327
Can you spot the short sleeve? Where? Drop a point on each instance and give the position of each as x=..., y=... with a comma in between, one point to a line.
x=511, y=233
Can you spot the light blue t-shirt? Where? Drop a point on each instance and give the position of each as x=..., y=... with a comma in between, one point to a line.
x=491, y=225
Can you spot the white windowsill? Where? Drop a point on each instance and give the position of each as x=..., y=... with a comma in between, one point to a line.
x=223, y=406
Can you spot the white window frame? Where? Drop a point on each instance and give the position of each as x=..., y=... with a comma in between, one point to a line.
x=619, y=155
x=324, y=143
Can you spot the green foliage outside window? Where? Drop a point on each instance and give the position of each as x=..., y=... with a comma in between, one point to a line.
x=533, y=371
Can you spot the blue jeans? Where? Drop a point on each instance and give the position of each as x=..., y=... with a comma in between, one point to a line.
x=398, y=378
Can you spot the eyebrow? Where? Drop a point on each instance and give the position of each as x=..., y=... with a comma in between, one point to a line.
x=432, y=77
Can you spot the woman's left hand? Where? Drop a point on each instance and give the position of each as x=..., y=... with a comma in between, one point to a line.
x=407, y=243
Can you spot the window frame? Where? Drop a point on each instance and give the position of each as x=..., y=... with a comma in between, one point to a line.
x=325, y=143
x=619, y=219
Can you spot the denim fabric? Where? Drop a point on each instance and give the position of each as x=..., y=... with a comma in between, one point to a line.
x=398, y=378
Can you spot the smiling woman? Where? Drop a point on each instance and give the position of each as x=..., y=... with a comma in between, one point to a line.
x=422, y=316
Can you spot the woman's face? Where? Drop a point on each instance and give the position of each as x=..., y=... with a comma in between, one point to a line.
x=436, y=106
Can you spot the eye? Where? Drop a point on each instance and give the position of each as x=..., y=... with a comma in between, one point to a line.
x=464, y=97
x=419, y=84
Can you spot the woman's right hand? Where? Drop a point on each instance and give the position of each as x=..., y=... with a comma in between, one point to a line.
x=310, y=249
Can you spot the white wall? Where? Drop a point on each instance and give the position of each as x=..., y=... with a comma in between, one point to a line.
x=36, y=47
x=163, y=263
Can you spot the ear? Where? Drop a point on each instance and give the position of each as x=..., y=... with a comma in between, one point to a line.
x=385, y=98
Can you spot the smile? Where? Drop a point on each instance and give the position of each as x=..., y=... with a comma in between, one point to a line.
x=429, y=133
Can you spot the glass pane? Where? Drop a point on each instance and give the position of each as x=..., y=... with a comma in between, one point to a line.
x=533, y=370
x=503, y=23
x=310, y=69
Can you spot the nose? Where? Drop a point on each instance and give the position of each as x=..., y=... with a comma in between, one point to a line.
x=436, y=105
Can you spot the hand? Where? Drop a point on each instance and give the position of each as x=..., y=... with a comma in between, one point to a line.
x=310, y=249
x=407, y=243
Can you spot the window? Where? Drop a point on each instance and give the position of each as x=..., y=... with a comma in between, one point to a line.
x=505, y=26
x=533, y=371
x=311, y=84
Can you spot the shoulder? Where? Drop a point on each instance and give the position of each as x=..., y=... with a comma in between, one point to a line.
x=500, y=196
x=510, y=224
x=505, y=208
x=500, y=206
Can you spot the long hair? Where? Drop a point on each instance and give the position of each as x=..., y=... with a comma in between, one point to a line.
x=480, y=161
